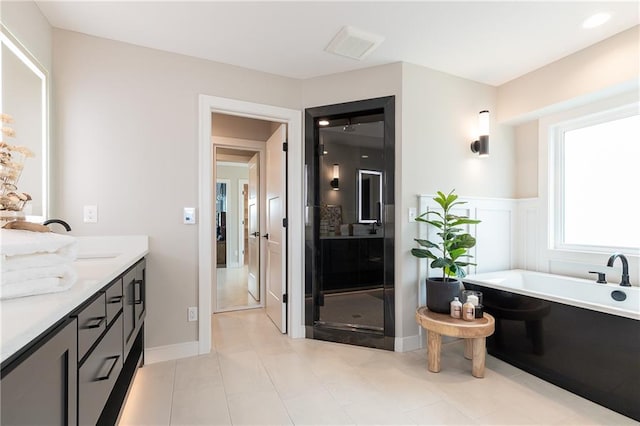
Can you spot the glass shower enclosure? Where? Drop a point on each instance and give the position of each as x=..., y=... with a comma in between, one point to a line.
x=349, y=227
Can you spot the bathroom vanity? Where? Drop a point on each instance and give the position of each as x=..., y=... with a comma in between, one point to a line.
x=70, y=357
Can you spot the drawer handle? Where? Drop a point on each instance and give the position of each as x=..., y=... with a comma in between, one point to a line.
x=137, y=301
x=115, y=299
x=97, y=322
x=115, y=359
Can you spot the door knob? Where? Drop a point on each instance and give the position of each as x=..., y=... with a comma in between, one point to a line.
x=266, y=236
x=255, y=234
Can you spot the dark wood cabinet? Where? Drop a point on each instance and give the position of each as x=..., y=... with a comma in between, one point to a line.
x=98, y=374
x=134, y=287
x=40, y=387
x=78, y=372
x=351, y=263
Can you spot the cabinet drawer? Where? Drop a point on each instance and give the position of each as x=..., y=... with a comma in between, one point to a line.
x=98, y=374
x=114, y=300
x=91, y=324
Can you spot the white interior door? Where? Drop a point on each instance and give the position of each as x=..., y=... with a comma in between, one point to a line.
x=254, y=229
x=276, y=232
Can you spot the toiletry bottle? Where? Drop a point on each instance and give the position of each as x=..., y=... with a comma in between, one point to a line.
x=468, y=311
x=456, y=308
x=473, y=299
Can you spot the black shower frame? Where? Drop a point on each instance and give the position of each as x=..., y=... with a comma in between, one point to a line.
x=386, y=106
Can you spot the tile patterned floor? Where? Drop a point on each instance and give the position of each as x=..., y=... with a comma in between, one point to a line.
x=232, y=288
x=256, y=376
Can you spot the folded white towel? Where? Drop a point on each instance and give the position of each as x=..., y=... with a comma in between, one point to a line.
x=40, y=285
x=18, y=242
x=38, y=260
x=12, y=277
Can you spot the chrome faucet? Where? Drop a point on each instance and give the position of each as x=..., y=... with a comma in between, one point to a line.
x=625, y=268
x=60, y=221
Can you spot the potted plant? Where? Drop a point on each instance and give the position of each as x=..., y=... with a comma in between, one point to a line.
x=449, y=254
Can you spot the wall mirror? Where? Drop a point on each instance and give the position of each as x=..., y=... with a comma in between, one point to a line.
x=369, y=199
x=24, y=88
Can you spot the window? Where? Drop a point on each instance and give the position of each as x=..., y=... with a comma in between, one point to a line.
x=596, y=181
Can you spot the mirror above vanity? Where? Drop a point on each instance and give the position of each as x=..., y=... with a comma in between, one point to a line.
x=24, y=89
x=369, y=196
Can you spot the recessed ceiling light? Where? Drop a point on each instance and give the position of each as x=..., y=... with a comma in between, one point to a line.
x=325, y=152
x=364, y=156
x=596, y=20
x=323, y=122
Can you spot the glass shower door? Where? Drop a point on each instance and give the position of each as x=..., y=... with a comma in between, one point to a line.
x=351, y=235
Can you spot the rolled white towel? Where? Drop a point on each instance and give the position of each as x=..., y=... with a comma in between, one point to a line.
x=37, y=286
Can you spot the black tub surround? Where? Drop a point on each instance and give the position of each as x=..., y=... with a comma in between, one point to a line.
x=593, y=354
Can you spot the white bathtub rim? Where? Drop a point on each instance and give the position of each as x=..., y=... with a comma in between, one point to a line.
x=618, y=311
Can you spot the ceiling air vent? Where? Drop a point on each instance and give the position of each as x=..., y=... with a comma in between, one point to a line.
x=354, y=43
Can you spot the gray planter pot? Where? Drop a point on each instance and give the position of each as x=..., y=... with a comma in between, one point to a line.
x=440, y=293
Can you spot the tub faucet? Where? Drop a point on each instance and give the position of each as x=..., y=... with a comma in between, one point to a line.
x=625, y=268
x=60, y=221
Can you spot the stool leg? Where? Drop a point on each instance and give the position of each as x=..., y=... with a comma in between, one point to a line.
x=434, y=343
x=477, y=361
x=468, y=348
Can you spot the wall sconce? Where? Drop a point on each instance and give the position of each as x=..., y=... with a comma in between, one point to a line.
x=335, y=182
x=481, y=146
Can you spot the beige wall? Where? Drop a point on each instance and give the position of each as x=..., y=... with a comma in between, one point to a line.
x=232, y=126
x=526, y=144
x=128, y=142
x=601, y=70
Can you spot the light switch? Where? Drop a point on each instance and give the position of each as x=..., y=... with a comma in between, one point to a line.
x=189, y=216
x=413, y=212
x=90, y=214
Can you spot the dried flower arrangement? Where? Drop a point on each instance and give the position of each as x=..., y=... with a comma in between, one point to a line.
x=12, y=160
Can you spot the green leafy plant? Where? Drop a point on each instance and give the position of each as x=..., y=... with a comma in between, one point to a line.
x=451, y=253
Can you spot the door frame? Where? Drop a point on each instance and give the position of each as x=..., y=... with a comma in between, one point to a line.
x=295, y=211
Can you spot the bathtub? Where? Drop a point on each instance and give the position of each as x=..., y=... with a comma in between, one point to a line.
x=568, y=290
x=568, y=331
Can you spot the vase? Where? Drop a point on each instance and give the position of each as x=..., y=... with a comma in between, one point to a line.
x=440, y=293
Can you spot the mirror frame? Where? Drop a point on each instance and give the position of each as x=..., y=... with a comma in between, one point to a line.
x=29, y=60
x=360, y=174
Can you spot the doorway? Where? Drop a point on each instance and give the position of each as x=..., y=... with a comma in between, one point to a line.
x=350, y=232
x=251, y=150
x=294, y=209
x=237, y=254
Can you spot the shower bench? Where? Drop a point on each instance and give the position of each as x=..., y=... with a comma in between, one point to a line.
x=473, y=332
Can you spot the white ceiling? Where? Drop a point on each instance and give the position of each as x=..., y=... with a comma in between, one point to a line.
x=490, y=42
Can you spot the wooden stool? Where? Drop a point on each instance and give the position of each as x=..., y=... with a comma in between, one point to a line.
x=474, y=332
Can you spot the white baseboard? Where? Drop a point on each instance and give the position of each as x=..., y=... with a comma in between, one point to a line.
x=170, y=352
x=409, y=343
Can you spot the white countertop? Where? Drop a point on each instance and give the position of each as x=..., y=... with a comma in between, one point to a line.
x=100, y=260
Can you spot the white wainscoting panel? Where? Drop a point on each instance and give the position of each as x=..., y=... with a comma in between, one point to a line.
x=496, y=246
